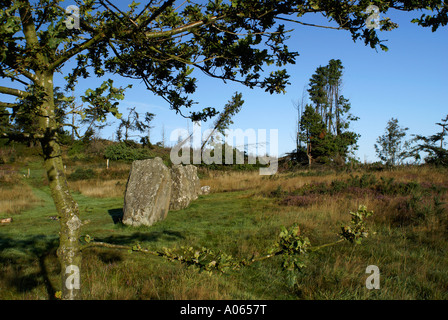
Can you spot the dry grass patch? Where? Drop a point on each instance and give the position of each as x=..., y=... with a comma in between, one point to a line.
x=15, y=196
x=99, y=188
x=252, y=180
x=16, y=199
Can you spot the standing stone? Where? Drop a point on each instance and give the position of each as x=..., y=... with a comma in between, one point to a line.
x=185, y=186
x=148, y=193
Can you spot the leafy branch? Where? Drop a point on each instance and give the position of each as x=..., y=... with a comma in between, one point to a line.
x=357, y=230
x=291, y=245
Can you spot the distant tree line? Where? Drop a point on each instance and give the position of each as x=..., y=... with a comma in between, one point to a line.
x=393, y=149
x=323, y=133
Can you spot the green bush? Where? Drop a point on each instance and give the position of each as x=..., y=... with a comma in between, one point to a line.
x=82, y=174
x=65, y=138
x=123, y=151
x=76, y=149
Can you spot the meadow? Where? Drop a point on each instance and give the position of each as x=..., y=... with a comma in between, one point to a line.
x=241, y=217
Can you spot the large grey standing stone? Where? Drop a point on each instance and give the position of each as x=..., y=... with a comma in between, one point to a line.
x=185, y=186
x=148, y=193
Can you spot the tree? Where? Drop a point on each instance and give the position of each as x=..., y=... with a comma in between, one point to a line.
x=324, y=91
x=444, y=125
x=300, y=108
x=98, y=103
x=161, y=44
x=312, y=128
x=330, y=140
x=390, y=147
x=133, y=123
x=224, y=119
x=436, y=154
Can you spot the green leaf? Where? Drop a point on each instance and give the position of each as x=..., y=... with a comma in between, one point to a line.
x=384, y=48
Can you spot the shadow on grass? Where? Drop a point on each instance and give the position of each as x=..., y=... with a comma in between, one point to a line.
x=28, y=262
x=24, y=267
x=142, y=237
x=116, y=215
x=152, y=236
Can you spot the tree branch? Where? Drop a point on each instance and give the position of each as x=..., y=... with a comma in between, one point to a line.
x=27, y=74
x=29, y=29
x=72, y=52
x=14, y=92
x=117, y=246
x=75, y=129
x=113, y=6
x=21, y=71
x=8, y=105
x=14, y=78
x=309, y=24
x=181, y=29
x=155, y=14
x=102, y=35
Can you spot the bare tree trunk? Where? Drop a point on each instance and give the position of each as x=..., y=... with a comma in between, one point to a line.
x=163, y=136
x=300, y=107
x=337, y=110
x=308, y=153
x=73, y=122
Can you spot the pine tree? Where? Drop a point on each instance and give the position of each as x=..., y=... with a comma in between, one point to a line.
x=334, y=140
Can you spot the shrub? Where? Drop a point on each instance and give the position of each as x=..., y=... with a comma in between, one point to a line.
x=126, y=152
x=82, y=174
x=278, y=192
x=300, y=201
x=417, y=208
x=76, y=149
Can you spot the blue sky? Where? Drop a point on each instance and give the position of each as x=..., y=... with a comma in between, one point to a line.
x=409, y=82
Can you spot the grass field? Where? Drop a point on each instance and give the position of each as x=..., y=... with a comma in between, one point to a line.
x=241, y=217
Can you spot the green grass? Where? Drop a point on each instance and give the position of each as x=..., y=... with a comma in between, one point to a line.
x=412, y=259
x=227, y=222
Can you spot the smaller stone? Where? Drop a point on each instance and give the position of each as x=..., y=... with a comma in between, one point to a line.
x=205, y=190
x=185, y=186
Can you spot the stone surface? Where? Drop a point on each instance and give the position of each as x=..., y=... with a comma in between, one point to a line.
x=185, y=186
x=6, y=220
x=148, y=193
x=205, y=190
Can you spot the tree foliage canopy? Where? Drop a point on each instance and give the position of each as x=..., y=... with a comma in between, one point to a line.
x=162, y=42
